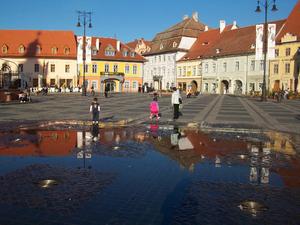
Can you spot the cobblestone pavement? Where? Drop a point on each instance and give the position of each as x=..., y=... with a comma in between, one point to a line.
x=207, y=110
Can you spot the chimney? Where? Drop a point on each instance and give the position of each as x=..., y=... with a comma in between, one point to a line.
x=206, y=28
x=118, y=46
x=222, y=25
x=195, y=16
x=97, y=44
x=185, y=17
x=234, y=25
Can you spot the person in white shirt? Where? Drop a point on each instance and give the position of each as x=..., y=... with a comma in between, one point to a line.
x=95, y=110
x=176, y=99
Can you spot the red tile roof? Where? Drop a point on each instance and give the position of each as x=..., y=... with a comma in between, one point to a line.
x=134, y=43
x=292, y=24
x=237, y=42
x=111, y=42
x=204, y=41
x=30, y=39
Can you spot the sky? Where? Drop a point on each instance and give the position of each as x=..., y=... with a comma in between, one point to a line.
x=131, y=19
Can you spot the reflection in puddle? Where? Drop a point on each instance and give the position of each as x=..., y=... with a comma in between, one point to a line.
x=219, y=172
x=252, y=207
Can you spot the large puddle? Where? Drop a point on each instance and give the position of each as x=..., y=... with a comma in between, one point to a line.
x=148, y=175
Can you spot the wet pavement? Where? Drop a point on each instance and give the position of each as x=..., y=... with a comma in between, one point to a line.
x=147, y=174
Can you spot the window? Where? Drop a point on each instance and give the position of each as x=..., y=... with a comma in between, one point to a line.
x=184, y=71
x=169, y=58
x=261, y=65
x=132, y=54
x=252, y=86
x=161, y=46
x=86, y=68
x=127, y=84
x=163, y=71
x=194, y=70
x=206, y=68
x=276, y=52
x=21, y=67
x=159, y=58
x=66, y=50
x=179, y=71
x=67, y=68
x=106, y=68
x=168, y=86
x=225, y=67
x=94, y=68
x=199, y=70
x=36, y=68
x=214, y=67
x=127, y=68
x=288, y=51
x=287, y=67
x=21, y=49
x=38, y=49
x=109, y=51
x=252, y=65
x=164, y=58
x=54, y=50
x=134, y=85
x=94, y=84
x=275, y=68
x=52, y=82
x=52, y=68
x=174, y=44
x=4, y=49
x=115, y=68
x=94, y=51
x=134, y=69
x=125, y=53
x=237, y=66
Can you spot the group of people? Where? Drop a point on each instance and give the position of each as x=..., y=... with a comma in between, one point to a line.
x=176, y=101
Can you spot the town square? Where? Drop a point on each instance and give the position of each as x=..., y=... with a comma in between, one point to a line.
x=192, y=121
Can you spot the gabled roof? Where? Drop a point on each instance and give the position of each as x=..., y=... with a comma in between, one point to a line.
x=134, y=43
x=292, y=24
x=30, y=39
x=106, y=42
x=239, y=41
x=189, y=27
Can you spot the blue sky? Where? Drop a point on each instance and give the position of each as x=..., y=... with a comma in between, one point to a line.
x=130, y=19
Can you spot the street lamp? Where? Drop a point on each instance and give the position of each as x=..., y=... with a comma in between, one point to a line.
x=83, y=16
x=266, y=5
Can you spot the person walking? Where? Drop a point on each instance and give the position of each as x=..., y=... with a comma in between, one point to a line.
x=92, y=91
x=154, y=109
x=176, y=99
x=95, y=110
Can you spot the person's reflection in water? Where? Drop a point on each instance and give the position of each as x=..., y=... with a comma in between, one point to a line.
x=175, y=136
x=95, y=132
x=154, y=128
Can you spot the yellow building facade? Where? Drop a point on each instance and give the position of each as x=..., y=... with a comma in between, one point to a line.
x=189, y=75
x=284, y=70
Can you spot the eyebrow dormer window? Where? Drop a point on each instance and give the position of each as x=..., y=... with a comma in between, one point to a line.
x=66, y=50
x=161, y=46
x=4, y=49
x=54, y=50
x=174, y=44
x=132, y=54
x=21, y=49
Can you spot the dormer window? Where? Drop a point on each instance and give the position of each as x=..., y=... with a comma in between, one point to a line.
x=218, y=51
x=21, y=49
x=132, y=54
x=67, y=50
x=110, y=51
x=161, y=46
x=94, y=51
x=38, y=49
x=205, y=43
x=125, y=53
x=54, y=50
x=4, y=49
x=252, y=46
x=174, y=44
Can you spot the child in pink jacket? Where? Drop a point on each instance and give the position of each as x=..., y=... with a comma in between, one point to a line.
x=154, y=109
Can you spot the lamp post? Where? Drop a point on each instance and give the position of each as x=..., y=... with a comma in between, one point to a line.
x=266, y=5
x=83, y=16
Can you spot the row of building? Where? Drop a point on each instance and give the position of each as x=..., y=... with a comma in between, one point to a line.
x=187, y=55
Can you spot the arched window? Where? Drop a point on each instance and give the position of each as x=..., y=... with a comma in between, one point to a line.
x=38, y=49
x=54, y=50
x=66, y=50
x=4, y=49
x=21, y=49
